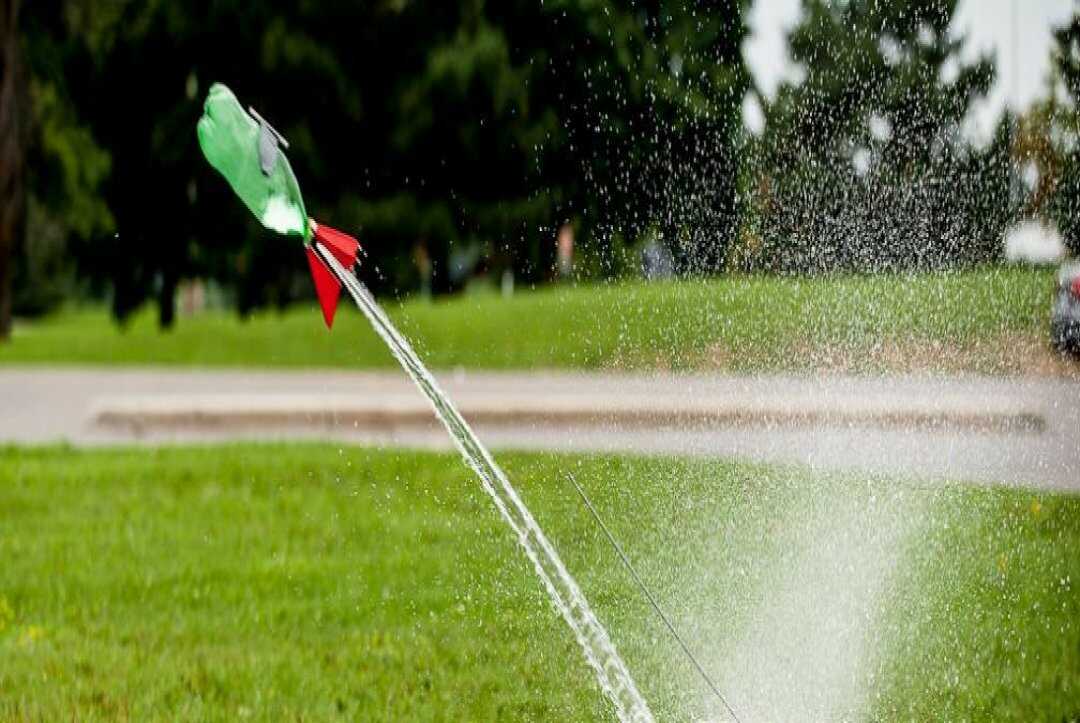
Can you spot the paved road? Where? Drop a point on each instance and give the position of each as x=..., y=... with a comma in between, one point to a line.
x=1019, y=431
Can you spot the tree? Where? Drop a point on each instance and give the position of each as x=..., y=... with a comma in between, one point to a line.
x=1065, y=204
x=65, y=168
x=614, y=117
x=461, y=132
x=456, y=180
x=864, y=158
x=649, y=97
x=12, y=138
x=130, y=72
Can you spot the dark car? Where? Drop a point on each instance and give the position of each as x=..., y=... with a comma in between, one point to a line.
x=1065, y=319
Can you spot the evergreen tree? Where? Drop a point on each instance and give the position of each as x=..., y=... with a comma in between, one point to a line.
x=12, y=160
x=66, y=165
x=650, y=98
x=466, y=133
x=864, y=163
x=1065, y=206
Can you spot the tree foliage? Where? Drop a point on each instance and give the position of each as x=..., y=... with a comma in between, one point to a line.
x=863, y=162
x=12, y=161
x=1065, y=134
x=465, y=132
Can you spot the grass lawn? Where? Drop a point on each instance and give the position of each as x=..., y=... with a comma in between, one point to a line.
x=307, y=582
x=987, y=320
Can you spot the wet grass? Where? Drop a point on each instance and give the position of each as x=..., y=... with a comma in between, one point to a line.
x=986, y=624
x=987, y=320
x=309, y=582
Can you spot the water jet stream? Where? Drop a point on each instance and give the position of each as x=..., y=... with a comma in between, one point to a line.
x=611, y=672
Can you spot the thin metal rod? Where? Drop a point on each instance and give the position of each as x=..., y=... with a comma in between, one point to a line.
x=649, y=596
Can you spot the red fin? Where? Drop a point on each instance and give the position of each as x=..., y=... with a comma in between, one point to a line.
x=343, y=246
x=327, y=287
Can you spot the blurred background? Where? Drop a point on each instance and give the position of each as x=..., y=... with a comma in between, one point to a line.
x=522, y=143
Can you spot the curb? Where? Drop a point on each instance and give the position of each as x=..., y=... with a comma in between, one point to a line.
x=140, y=415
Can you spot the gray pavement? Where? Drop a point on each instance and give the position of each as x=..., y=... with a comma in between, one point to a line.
x=1014, y=431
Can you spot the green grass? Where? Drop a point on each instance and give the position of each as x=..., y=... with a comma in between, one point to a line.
x=307, y=582
x=973, y=320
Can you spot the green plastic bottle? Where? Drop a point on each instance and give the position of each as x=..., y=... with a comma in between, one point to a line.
x=245, y=149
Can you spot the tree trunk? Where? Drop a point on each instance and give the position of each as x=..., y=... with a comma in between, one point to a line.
x=167, y=301
x=12, y=191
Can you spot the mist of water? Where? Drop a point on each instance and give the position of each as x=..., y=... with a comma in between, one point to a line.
x=810, y=650
x=611, y=672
